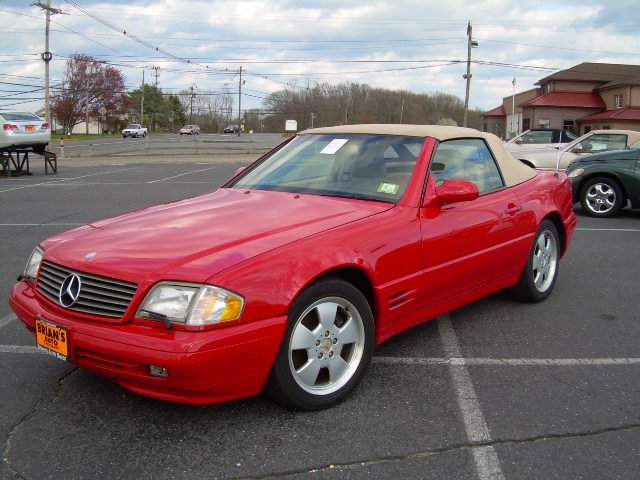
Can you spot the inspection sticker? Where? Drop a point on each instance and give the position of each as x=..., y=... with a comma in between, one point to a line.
x=52, y=339
x=334, y=146
x=390, y=188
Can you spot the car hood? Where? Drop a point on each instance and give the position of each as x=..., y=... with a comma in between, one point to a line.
x=192, y=239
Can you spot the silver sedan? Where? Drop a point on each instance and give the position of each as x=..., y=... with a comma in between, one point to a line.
x=23, y=130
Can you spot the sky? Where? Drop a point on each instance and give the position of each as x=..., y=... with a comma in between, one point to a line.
x=420, y=45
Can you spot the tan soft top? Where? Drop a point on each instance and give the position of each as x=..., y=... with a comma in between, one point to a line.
x=513, y=171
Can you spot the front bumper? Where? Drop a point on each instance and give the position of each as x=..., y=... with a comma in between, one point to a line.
x=203, y=367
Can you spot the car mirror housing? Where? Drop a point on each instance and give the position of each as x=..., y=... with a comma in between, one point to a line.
x=454, y=191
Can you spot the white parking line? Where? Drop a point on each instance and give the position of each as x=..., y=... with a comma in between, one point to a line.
x=46, y=224
x=508, y=362
x=609, y=229
x=7, y=319
x=485, y=457
x=182, y=174
x=20, y=349
x=53, y=182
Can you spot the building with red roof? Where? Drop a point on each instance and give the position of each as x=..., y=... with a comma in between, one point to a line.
x=585, y=97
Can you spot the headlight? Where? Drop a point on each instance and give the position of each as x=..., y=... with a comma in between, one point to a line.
x=191, y=304
x=33, y=264
x=576, y=173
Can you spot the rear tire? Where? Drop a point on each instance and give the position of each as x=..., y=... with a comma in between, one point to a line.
x=326, y=348
x=541, y=271
x=601, y=197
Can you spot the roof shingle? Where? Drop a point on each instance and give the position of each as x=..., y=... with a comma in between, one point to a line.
x=567, y=99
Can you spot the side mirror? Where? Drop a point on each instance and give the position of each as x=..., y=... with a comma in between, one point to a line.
x=576, y=150
x=239, y=171
x=455, y=191
x=518, y=141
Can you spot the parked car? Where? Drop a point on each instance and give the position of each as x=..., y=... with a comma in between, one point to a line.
x=596, y=141
x=540, y=137
x=190, y=130
x=23, y=130
x=605, y=183
x=231, y=129
x=134, y=130
x=285, y=278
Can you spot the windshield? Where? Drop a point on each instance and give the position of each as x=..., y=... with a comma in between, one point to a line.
x=368, y=167
x=19, y=116
x=133, y=125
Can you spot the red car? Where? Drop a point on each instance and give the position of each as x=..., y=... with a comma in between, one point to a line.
x=285, y=279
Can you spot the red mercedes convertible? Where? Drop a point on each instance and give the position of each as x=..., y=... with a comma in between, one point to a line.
x=285, y=278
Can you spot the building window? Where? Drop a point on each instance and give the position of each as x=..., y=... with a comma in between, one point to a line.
x=526, y=122
x=568, y=125
x=543, y=123
x=618, y=101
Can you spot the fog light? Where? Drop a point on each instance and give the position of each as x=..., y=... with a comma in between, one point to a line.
x=156, y=371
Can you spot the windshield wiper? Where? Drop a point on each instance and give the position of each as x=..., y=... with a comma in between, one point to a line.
x=354, y=196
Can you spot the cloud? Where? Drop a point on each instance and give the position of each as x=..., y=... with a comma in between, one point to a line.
x=413, y=45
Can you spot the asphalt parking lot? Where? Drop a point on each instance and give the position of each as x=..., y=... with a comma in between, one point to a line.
x=494, y=390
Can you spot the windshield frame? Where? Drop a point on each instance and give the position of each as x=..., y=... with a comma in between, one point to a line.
x=385, y=164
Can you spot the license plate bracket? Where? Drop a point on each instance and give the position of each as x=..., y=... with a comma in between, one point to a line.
x=52, y=339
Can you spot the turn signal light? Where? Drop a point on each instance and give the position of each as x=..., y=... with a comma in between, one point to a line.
x=44, y=126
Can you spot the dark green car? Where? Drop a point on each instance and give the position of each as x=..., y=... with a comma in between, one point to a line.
x=604, y=183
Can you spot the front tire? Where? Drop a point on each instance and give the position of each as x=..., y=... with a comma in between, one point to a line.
x=601, y=197
x=326, y=348
x=541, y=271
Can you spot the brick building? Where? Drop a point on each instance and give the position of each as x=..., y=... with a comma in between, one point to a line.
x=585, y=97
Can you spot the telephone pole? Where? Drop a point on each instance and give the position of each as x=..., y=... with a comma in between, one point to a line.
x=240, y=82
x=155, y=83
x=154, y=106
x=191, y=101
x=470, y=44
x=142, y=100
x=47, y=55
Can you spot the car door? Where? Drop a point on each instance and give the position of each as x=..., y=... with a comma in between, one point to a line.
x=467, y=245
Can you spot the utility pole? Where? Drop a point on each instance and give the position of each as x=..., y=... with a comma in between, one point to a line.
x=89, y=71
x=470, y=43
x=154, y=106
x=47, y=55
x=240, y=82
x=155, y=83
x=191, y=101
x=142, y=100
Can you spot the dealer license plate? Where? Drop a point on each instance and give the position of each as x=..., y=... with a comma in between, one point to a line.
x=52, y=339
x=30, y=128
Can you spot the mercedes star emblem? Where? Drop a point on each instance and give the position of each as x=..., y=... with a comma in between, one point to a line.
x=70, y=290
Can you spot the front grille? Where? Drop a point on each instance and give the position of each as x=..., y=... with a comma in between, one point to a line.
x=102, y=296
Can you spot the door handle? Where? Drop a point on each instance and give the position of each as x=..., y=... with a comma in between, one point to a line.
x=513, y=208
